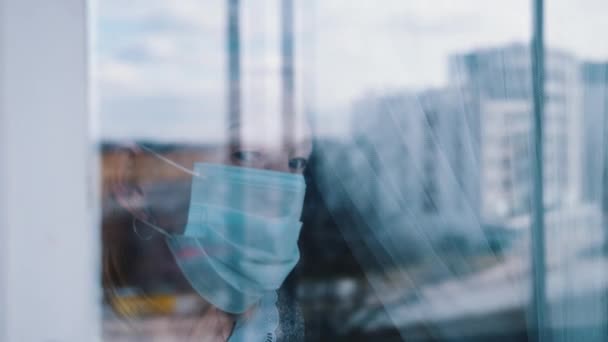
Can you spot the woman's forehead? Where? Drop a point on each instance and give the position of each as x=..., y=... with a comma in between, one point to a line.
x=271, y=130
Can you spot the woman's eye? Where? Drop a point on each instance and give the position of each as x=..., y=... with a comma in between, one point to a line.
x=246, y=157
x=297, y=164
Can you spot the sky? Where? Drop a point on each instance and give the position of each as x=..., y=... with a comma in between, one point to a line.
x=160, y=64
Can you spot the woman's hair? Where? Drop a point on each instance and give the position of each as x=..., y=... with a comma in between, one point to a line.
x=128, y=260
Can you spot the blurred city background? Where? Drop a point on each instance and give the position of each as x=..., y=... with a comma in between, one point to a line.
x=420, y=202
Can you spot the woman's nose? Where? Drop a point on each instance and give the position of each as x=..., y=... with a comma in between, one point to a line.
x=276, y=162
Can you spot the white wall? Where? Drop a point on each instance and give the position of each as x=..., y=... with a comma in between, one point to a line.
x=49, y=269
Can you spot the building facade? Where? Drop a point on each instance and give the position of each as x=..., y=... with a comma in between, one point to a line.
x=499, y=81
x=466, y=147
x=421, y=145
x=595, y=109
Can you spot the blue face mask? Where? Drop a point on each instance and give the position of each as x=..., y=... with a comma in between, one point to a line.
x=241, y=238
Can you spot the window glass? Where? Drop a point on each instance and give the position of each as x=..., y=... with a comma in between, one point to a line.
x=410, y=124
x=576, y=96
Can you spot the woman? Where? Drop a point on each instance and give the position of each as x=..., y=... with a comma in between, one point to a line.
x=221, y=222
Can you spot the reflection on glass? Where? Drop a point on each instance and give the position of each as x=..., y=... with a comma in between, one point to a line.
x=419, y=190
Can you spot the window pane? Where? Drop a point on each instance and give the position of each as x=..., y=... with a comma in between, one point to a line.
x=411, y=122
x=430, y=178
x=576, y=98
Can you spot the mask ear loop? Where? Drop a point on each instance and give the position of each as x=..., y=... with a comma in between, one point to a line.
x=151, y=225
x=169, y=161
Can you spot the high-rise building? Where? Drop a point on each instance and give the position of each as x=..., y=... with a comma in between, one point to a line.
x=466, y=147
x=499, y=82
x=595, y=111
x=419, y=143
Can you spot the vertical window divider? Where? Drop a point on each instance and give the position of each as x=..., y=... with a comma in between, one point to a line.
x=538, y=318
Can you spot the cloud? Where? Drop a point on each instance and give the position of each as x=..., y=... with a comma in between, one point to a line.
x=162, y=117
x=157, y=48
x=433, y=26
x=362, y=45
x=578, y=26
x=112, y=73
x=165, y=14
x=177, y=48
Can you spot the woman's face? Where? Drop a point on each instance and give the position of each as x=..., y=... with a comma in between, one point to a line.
x=259, y=143
x=165, y=189
x=254, y=142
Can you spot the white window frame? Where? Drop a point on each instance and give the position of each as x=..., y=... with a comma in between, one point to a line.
x=49, y=227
